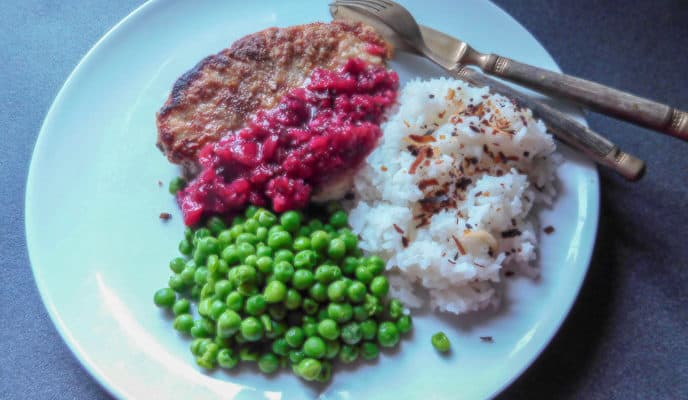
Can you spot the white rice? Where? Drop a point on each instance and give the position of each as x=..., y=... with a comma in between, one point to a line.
x=487, y=196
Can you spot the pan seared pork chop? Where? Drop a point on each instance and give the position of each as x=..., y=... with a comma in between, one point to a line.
x=221, y=92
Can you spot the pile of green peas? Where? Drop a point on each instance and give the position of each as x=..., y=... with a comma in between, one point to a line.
x=281, y=290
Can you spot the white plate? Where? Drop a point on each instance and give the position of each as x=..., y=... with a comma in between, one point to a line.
x=99, y=250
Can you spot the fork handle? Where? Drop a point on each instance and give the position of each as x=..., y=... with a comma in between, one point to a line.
x=597, y=97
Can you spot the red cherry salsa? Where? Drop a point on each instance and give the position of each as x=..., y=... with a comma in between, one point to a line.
x=312, y=136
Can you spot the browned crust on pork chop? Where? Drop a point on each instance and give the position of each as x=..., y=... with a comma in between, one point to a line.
x=223, y=90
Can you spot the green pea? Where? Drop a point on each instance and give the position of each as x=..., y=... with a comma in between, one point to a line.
x=308, y=369
x=228, y=324
x=245, y=250
x=196, y=292
x=363, y=274
x=339, y=219
x=266, y=218
x=351, y=333
x=284, y=255
x=303, y=279
x=202, y=327
x=198, y=346
x=310, y=329
x=251, y=226
x=350, y=241
x=236, y=230
x=183, y=323
x=280, y=347
x=328, y=329
x=293, y=299
x=305, y=231
x=387, y=334
x=177, y=264
x=255, y=305
x=309, y=306
x=356, y=292
x=225, y=238
x=405, y=324
x=373, y=305
x=279, y=327
x=230, y=254
x=360, y=313
x=208, y=359
x=263, y=250
x=369, y=351
x=329, y=229
x=247, y=238
x=349, y=266
x=348, y=354
x=235, y=301
x=216, y=225
x=305, y=259
x=227, y=358
x=185, y=247
x=223, y=288
x=200, y=234
x=332, y=349
x=376, y=265
x=291, y=220
x=181, y=306
x=201, y=276
x=252, y=329
x=276, y=228
x=302, y=243
x=368, y=329
x=262, y=234
x=320, y=240
x=327, y=273
x=337, y=290
x=295, y=336
x=314, y=347
x=279, y=240
x=245, y=274
x=340, y=312
x=251, y=211
x=176, y=184
x=165, y=298
x=283, y=271
x=318, y=292
x=396, y=309
x=216, y=309
x=441, y=342
x=295, y=356
x=379, y=286
x=204, y=306
x=177, y=283
x=336, y=249
x=275, y=292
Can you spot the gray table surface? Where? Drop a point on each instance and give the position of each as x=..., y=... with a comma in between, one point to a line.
x=626, y=337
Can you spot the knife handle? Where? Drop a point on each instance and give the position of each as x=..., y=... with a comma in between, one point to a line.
x=565, y=128
x=597, y=97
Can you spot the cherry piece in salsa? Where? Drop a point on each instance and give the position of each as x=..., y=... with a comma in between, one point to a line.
x=313, y=135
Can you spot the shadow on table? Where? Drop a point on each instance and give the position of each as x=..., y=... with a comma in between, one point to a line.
x=565, y=361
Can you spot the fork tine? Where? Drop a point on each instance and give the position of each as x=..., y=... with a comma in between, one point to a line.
x=360, y=4
x=381, y=3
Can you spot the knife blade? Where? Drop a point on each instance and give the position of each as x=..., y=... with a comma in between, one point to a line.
x=445, y=51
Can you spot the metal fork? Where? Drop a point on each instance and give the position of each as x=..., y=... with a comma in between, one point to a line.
x=595, y=96
x=565, y=128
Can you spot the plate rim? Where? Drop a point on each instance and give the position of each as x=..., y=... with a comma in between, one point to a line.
x=94, y=370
